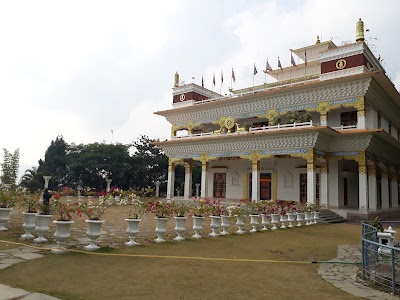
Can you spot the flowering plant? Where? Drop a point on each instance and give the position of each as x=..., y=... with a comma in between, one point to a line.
x=180, y=208
x=216, y=208
x=265, y=206
x=236, y=210
x=92, y=210
x=57, y=196
x=65, y=211
x=201, y=207
x=160, y=209
x=136, y=210
x=69, y=191
x=251, y=206
x=7, y=198
x=31, y=202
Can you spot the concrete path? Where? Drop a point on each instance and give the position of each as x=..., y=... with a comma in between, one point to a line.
x=15, y=256
x=345, y=277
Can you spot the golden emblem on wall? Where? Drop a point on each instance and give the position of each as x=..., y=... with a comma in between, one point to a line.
x=341, y=64
x=182, y=97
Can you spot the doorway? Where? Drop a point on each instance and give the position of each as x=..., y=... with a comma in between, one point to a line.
x=219, y=190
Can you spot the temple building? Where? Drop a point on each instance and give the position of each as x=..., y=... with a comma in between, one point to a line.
x=326, y=132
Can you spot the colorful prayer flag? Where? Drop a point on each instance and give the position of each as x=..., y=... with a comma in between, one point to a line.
x=222, y=78
x=233, y=76
x=305, y=57
x=214, y=79
x=255, y=70
x=267, y=67
x=279, y=63
x=202, y=81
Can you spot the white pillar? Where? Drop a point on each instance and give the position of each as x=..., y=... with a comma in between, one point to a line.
x=311, y=180
x=323, y=119
x=333, y=183
x=197, y=189
x=384, y=189
x=46, y=181
x=372, y=196
x=323, y=185
x=361, y=119
x=255, y=181
x=394, y=189
x=204, y=187
x=108, y=184
x=188, y=182
x=157, y=189
x=171, y=181
x=363, y=191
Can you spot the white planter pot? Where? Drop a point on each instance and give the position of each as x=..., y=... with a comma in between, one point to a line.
x=118, y=199
x=93, y=233
x=180, y=228
x=254, y=222
x=215, y=224
x=240, y=225
x=290, y=218
x=300, y=218
x=274, y=221
x=80, y=199
x=132, y=231
x=90, y=198
x=4, y=217
x=161, y=229
x=224, y=225
x=264, y=222
x=283, y=220
x=42, y=227
x=29, y=225
x=197, y=226
x=69, y=199
x=316, y=217
x=308, y=218
x=62, y=233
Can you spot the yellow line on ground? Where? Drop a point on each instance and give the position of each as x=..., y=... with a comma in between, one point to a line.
x=166, y=256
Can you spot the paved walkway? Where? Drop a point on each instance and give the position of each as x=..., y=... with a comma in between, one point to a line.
x=345, y=277
x=15, y=256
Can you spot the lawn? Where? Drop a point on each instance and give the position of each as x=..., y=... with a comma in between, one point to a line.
x=115, y=274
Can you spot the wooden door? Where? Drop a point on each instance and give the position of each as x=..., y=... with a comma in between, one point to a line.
x=219, y=185
x=265, y=186
x=303, y=188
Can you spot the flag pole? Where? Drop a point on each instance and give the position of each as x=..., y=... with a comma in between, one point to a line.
x=253, y=75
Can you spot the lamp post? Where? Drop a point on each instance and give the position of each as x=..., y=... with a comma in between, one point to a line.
x=46, y=181
x=108, y=184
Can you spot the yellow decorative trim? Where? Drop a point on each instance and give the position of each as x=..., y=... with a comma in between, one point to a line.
x=172, y=162
x=255, y=165
x=324, y=168
x=372, y=170
x=245, y=184
x=384, y=173
x=204, y=166
x=274, y=185
x=322, y=118
x=229, y=124
x=362, y=163
x=361, y=113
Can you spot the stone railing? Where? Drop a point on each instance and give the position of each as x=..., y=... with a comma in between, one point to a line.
x=284, y=126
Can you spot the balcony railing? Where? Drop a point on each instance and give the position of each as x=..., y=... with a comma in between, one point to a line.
x=284, y=126
x=342, y=127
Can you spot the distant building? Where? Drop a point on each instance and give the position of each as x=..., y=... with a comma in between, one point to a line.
x=327, y=132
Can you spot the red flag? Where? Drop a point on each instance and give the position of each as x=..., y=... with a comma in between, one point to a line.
x=233, y=76
x=214, y=79
x=292, y=60
x=305, y=57
x=255, y=70
x=279, y=63
x=202, y=81
x=267, y=67
x=222, y=78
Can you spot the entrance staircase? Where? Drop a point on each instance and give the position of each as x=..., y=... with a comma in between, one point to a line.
x=328, y=216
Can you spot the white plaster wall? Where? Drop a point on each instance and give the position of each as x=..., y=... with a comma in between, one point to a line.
x=282, y=166
x=371, y=117
x=384, y=124
x=394, y=132
x=334, y=118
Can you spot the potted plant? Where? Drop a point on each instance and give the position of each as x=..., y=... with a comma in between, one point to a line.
x=216, y=210
x=163, y=211
x=199, y=210
x=136, y=211
x=300, y=212
x=43, y=218
x=239, y=213
x=180, y=209
x=30, y=203
x=253, y=209
x=93, y=212
x=63, y=223
x=7, y=201
x=265, y=211
x=224, y=222
x=70, y=193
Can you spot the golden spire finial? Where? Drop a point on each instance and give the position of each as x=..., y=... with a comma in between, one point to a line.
x=318, y=41
x=176, y=81
x=360, y=31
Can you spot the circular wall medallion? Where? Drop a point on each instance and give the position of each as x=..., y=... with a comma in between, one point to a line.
x=182, y=97
x=341, y=64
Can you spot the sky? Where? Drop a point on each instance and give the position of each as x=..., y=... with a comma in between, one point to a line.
x=95, y=71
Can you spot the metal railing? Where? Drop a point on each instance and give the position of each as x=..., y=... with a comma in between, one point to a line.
x=379, y=261
x=342, y=127
x=283, y=126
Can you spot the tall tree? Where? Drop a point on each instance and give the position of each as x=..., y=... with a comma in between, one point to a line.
x=10, y=167
x=31, y=180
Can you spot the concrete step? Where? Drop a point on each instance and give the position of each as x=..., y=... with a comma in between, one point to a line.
x=328, y=216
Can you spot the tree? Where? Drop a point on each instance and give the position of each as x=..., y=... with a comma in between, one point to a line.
x=10, y=167
x=31, y=180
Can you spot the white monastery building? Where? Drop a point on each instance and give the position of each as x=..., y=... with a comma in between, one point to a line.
x=327, y=132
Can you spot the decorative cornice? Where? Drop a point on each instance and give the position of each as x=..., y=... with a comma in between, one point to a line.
x=343, y=73
x=192, y=87
x=341, y=52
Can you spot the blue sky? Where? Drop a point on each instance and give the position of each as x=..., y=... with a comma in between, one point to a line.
x=83, y=68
